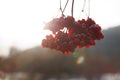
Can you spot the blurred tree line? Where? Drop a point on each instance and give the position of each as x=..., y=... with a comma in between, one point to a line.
x=99, y=59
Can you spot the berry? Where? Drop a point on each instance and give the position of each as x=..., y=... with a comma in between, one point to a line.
x=77, y=34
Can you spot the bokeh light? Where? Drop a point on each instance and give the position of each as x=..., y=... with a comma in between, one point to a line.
x=80, y=60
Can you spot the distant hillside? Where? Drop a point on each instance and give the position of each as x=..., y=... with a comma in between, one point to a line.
x=110, y=45
x=99, y=59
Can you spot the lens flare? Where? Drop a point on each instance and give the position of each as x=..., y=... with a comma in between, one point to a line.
x=80, y=60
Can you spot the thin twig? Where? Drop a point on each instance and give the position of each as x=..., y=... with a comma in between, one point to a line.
x=62, y=11
x=65, y=5
x=72, y=8
x=84, y=5
x=88, y=8
x=61, y=8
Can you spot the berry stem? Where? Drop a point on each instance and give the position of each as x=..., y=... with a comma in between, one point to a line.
x=72, y=8
x=62, y=10
x=65, y=5
x=88, y=8
x=84, y=5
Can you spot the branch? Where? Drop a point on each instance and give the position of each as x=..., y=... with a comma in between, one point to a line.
x=72, y=7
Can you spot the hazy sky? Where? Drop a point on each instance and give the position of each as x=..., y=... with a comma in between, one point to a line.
x=21, y=21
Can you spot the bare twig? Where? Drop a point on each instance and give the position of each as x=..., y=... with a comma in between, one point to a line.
x=62, y=11
x=72, y=8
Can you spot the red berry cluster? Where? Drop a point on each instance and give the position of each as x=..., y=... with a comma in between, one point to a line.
x=69, y=34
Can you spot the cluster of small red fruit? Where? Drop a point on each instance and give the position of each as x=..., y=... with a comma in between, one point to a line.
x=68, y=34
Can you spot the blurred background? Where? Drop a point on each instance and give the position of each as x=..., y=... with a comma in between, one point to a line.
x=21, y=33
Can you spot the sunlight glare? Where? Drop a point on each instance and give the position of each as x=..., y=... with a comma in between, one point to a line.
x=22, y=22
x=80, y=60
